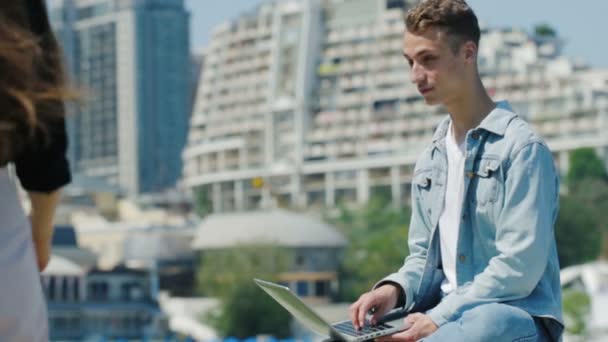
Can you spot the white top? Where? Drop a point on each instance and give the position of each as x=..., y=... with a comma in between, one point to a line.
x=23, y=313
x=449, y=222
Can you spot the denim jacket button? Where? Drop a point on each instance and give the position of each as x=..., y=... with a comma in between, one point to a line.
x=470, y=174
x=462, y=258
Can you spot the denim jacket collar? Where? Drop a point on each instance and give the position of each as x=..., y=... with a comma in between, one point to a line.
x=495, y=122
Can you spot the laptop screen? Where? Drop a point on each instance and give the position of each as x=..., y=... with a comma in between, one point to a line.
x=296, y=307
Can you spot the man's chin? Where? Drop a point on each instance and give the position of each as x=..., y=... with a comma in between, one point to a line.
x=431, y=100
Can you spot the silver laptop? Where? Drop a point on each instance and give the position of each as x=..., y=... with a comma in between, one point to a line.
x=340, y=331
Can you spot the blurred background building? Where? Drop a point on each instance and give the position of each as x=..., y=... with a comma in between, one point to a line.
x=308, y=104
x=118, y=303
x=132, y=60
x=314, y=246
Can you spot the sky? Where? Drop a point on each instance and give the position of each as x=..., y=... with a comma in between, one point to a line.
x=582, y=24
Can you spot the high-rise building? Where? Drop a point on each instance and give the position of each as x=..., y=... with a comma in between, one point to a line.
x=131, y=59
x=196, y=74
x=308, y=103
x=253, y=98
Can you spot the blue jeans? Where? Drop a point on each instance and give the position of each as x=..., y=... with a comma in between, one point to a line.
x=491, y=322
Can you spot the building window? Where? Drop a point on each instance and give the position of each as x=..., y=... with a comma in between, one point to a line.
x=302, y=288
x=321, y=288
x=74, y=324
x=299, y=260
x=51, y=289
x=104, y=290
x=99, y=290
x=64, y=289
x=76, y=289
x=61, y=324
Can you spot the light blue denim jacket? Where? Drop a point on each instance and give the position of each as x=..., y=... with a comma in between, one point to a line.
x=506, y=248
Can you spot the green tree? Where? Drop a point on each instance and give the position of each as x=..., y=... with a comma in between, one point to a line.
x=588, y=184
x=377, y=235
x=593, y=194
x=545, y=30
x=585, y=164
x=245, y=309
x=202, y=202
x=576, y=227
x=576, y=306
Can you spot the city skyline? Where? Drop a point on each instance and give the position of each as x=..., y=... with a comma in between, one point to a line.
x=579, y=35
x=319, y=106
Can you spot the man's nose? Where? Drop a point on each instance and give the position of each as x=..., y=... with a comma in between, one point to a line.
x=416, y=74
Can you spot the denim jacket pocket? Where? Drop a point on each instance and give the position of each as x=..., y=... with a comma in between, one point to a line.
x=423, y=188
x=486, y=181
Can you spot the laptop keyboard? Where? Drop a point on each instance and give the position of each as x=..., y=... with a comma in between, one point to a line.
x=348, y=328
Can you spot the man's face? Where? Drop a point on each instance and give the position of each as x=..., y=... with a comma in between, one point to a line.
x=437, y=71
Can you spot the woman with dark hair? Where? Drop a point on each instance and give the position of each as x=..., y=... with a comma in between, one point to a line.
x=33, y=138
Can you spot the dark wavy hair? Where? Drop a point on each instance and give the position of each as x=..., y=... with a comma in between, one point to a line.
x=32, y=79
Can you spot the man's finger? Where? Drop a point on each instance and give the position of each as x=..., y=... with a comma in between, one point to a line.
x=366, y=305
x=352, y=314
x=361, y=313
x=354, y=310
x=358, y=309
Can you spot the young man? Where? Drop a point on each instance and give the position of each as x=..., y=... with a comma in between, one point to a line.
x=483, y=262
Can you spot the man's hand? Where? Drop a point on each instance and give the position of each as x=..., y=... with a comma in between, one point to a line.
x=421, y=326
x=382, y=299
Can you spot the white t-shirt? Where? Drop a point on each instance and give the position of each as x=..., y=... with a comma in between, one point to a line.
x=449, y=222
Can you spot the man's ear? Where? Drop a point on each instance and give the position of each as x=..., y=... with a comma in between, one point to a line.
x=469, y=51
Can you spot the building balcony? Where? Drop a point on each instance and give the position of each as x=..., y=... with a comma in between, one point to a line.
x=198, y=120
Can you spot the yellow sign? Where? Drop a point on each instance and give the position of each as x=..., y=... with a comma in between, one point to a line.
x=257, y=182
x=327, y=69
